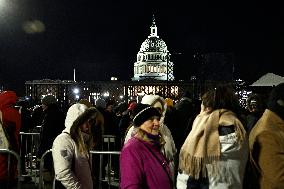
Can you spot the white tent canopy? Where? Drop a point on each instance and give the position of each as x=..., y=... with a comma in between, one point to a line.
x=268, y=80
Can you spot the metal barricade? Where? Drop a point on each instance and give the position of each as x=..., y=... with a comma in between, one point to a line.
x=41, y=168
x=11, y=152
x=110, y=177
x=109, y=142
x=28, y=153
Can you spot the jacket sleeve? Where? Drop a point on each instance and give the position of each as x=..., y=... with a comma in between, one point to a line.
x=271, y=160
x=62, y=154
x=131, y=170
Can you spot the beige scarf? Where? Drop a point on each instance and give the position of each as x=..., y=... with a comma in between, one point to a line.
x=202, y=145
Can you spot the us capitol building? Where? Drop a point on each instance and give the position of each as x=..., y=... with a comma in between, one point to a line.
x=153, y=74
x=153, y=59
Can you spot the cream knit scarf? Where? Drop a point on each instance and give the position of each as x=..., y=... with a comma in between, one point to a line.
x=202, y=145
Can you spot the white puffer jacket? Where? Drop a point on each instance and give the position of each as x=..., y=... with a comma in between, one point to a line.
x=71, y=167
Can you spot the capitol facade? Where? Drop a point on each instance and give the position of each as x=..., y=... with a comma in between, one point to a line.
x=153, y=59
x=153, y=74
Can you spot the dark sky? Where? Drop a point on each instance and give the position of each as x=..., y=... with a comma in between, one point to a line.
x=101, y=38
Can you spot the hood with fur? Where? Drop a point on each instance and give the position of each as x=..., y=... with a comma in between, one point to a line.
x=157, y=102
x=72, y=114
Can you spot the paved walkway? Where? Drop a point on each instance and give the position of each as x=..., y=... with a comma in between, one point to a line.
x=29, y=185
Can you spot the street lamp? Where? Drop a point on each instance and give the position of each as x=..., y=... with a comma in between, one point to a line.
x=76, y=91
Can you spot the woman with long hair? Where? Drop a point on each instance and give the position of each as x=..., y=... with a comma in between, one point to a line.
x=71, y=148
x=215, y=153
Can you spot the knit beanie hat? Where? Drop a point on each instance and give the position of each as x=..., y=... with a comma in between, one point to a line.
x=48, y=100
x=276, y=100
x=73, y=113
x=144, y=112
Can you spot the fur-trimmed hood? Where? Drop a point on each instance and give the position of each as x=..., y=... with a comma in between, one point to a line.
x=157, y=102
x=75, y=111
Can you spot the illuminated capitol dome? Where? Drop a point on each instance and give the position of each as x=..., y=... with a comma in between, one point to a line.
x=153, y=59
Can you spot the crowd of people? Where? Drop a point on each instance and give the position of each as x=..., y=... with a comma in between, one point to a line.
x=208, y=143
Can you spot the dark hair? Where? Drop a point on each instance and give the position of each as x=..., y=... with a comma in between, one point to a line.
x=255, y=101
x=222, y=97
x=121, y=107
x=208, y=98
x=275, y=98
x=186, y=94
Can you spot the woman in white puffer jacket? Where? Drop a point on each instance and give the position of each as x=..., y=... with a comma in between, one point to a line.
x=70, y=150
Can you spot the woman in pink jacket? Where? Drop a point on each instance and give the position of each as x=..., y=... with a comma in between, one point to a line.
x=142, y=165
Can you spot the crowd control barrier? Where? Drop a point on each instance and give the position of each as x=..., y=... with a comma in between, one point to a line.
x=14, y=154
x=109, y=142
x=28, y=153
x=110, y=176
x=105, y=174
x=41, y=168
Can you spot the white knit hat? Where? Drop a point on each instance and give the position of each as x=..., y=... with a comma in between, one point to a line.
x=73, y=113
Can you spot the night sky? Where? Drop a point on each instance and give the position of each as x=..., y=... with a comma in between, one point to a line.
x=47, y=39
